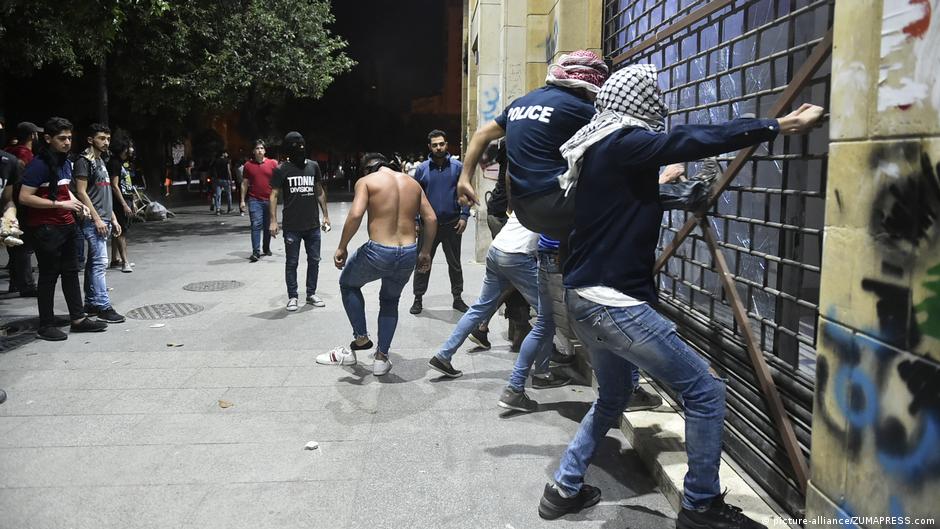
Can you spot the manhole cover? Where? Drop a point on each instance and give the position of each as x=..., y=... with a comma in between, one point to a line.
x=212, y=286
x=163, y=311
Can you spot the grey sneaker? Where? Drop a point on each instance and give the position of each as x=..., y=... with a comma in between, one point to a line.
x=517, y=400
x=291, y=305
x=315, y=301
x=643, y=400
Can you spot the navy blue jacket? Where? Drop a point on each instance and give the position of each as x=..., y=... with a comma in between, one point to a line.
x=440, y=185
x=617, y=209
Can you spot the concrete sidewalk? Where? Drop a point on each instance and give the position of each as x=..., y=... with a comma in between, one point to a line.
x=124, y=429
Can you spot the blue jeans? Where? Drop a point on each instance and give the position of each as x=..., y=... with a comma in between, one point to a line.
x=537, y=346
x=372, y=261
x=219, y=187
x=502, y=271
x=96, y=263
x=260, y=217
x=311, y=240
x=619, y=338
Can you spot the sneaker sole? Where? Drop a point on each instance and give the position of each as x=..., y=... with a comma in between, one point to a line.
x=343, y=363
x=291, y=309
x=445, y=373
x=40, y=337
x=381, y=373
x=502, y=404
x=552, y=386
x=479, y=342
x=122, y=320
x=645, y=407
x=317, y=304
x=550, y=511
x=88, y=330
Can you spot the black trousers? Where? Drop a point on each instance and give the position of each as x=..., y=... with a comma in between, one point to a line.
x=449, y=239
x=57, y=254
x=21, y=267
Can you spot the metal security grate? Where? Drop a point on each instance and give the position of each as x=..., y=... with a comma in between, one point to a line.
x=212, y=286
x=164, y=311
x=720, y=60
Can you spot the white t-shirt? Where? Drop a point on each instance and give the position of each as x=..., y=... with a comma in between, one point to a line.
x=514, y=238
x=608, y=297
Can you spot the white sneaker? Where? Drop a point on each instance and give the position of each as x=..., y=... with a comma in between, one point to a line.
x=315, y=301
x=380, y=367
x=291, y=305
x=338, y=357
x=127, y=268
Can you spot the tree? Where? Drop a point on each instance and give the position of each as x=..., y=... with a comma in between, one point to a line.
x=168, y=59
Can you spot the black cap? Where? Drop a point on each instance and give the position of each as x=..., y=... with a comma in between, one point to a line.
x=294, y=137
x=27, y=127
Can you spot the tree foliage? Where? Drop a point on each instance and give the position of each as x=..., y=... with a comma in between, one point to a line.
x=171, y=58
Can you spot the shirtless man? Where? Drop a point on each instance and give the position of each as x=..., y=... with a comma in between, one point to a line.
x=393, y=200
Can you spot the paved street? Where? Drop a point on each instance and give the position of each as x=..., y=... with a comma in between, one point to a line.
x=124, y=429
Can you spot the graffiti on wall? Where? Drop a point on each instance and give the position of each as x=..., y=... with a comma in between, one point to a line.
x=881, y=401
x=551, y=43
x=904, y=225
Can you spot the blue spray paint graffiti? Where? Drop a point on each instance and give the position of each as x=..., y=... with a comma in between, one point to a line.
x=910, y=456
x=489, y=106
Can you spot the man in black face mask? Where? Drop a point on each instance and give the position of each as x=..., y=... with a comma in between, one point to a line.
x=298, y=180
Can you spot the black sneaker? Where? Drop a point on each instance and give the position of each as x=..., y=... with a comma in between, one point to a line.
x=91, y=310
x=553, y=505
x=254, y=257
x=560, y=359
x=480, y=338
x=354, y=347
x=517, y=400
x=416, y=307
x=552, y=381
x=51, y=334
x=444, y=367
x=643, y=400
x=719, y=515
x=267, y=253
x=86, y=325
x=459, y=305
x=109, y=315
x=3, y=396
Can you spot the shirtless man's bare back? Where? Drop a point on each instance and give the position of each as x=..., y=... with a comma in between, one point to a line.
x=392, y=200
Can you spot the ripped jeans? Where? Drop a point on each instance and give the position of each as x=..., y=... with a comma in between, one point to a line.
x=618, y=339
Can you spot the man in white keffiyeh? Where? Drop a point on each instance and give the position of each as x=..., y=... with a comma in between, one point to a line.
x=629, y=98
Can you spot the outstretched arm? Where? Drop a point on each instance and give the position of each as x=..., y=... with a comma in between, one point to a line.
x=481, y=138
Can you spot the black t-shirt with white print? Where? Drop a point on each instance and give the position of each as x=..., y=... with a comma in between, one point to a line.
x=297, y=186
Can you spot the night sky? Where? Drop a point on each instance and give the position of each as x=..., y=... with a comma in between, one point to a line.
x=400, y=48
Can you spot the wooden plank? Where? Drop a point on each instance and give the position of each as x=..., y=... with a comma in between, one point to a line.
x=797, y=84
x=774, y=404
